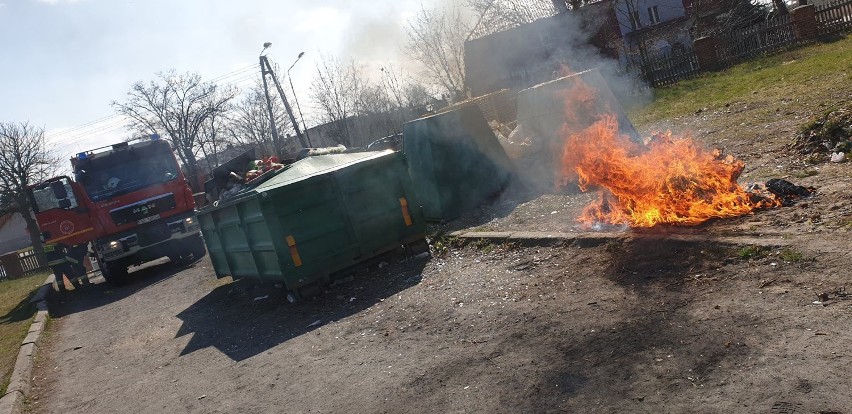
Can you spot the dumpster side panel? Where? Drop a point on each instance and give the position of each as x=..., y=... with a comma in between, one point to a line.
x=214, y=243
x=263, y=251
x=418, y=152
x=464, y=164
x=381, y=205
x=310, y=212
x=234, y=241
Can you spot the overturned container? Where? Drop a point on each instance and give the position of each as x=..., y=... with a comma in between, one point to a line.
x=321, y=215
x=455, y=162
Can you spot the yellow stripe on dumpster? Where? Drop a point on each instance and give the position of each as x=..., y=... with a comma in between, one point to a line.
x=404, y=203
x=294, y=252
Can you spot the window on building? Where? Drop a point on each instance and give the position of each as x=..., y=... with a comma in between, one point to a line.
x=653, y=15
x=634, y=20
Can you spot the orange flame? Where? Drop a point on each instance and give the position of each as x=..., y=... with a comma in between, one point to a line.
x=669, y=180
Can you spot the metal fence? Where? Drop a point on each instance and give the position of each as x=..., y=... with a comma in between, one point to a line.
x=733, y=46
x=834, y=16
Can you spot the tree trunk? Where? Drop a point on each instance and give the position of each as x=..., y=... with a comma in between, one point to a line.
x=35, y=236
x=191, y=170
x=780, y=7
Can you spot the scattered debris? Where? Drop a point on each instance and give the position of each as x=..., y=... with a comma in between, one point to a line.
x=788, y=192
x=261, y=298
x=314, y=323
x=828, y=132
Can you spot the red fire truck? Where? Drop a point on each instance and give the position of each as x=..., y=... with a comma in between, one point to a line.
x=130, y=200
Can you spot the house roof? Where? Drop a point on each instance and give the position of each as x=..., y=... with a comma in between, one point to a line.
x=530, y=10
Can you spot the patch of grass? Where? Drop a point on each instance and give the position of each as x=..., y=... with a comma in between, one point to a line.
x=805, y=173
x=752, y=252
x=442, y=243
x=613, y=246
x=790, y=255
x=16, y=313
x=817, y=158
x=483, y=245
x=779, y=76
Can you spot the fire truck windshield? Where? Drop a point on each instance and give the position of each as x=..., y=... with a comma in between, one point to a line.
x=124, y=171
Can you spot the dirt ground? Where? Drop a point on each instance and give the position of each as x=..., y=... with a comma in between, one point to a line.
x=638, y=324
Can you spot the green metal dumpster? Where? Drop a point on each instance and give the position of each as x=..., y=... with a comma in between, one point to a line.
x=321, y=215
x=455, y=162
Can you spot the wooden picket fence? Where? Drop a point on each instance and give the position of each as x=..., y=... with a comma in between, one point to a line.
x=26, y=259
x=835, y=16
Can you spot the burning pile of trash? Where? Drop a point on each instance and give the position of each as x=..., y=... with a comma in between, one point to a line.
x=662, y=179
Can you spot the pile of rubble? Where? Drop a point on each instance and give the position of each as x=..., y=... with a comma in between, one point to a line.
x=827, y=137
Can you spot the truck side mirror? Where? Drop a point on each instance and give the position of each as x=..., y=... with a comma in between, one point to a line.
x=59, y=191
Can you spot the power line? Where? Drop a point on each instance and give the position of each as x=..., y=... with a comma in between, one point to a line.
x=240, y=73
x=121, y=123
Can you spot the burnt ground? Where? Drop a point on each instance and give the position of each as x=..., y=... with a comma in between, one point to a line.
x=632, y=325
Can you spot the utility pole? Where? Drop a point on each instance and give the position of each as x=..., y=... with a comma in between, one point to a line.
x=266, y=68
x=274, y=128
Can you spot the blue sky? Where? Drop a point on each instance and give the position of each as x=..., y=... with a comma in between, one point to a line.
x=66, y=60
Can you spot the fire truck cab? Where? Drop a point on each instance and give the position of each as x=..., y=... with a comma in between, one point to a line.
x=130, y=200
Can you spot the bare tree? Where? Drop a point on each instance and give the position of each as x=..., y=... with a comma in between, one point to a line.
x=417, y=96
x=335, y=92
x=24, y=160
x=249, y=124
x=213, y=139
x=179, y=106
x=497, y=15
x=407, y=98
x=377, y=114
x=436, y=40
x=714, y=16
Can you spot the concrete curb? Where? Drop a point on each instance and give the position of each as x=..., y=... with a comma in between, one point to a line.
x=591, y=239
x=21, y=381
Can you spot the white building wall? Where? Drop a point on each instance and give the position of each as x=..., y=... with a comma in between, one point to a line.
x=13, y=234
x=666, y=10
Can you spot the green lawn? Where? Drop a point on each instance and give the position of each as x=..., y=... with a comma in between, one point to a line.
x=16, y=313
x=778, y=76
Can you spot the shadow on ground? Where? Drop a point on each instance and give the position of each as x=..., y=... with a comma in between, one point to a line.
x=616, y=353
x=24, y=310
x=100, y=292
x=243, y=319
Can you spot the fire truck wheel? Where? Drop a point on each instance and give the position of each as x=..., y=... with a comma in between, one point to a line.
x=115, y=273
x=195, y=246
